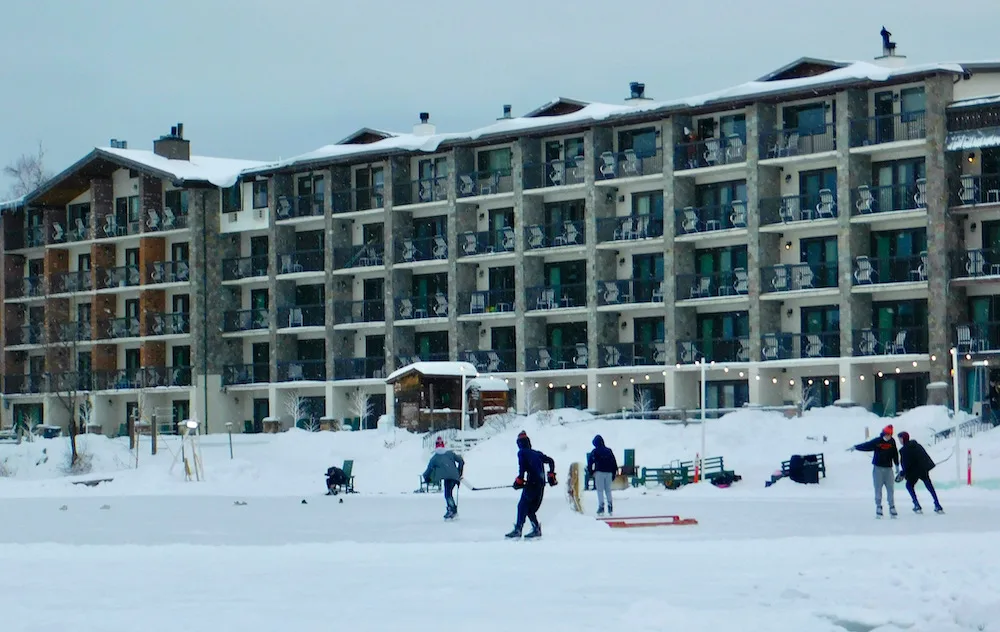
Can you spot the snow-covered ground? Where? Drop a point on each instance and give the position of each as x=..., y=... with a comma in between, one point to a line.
x=150, y=551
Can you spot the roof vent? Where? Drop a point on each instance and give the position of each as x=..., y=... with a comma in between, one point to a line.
x=506, y=113
x=119, y=144
x=637, y=92
x=173, y=146
x=424, y=127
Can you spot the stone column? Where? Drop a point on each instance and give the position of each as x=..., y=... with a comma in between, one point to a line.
x=762, y=248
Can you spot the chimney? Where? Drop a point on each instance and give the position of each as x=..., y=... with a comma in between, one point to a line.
x=173, y=146
x=424, y=127
x=889, y=58
x=637, y=93
x=506, y=113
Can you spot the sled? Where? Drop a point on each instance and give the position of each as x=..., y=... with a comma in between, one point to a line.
x=628, y=522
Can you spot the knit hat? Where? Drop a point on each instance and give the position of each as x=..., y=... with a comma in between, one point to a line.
x=439, y=442
x=887, y=430
x=523, y=441
x=904, y=437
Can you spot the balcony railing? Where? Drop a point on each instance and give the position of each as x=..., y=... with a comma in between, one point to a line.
x=77, y=229
x=486, y=301
x=797, y=208
x=26, y=287
x=567, y=295
x=555, y=173
x=491, y=361
x=76, y=281
x=34, y=237
x=299, y=206
x=629, y=227
x=168, y=323
x=975, y=263
x=711, y=152
x=302, y=370
x=123, y=276
x=897, y=197
x=732, y=349
x=244, y=268
x=369, y=311
x=567, y=233
x=359, y=368
x=363, y=199
x=162, y=376
x=430, y=356
x=115, y=225
x=246, y=374
x=423, y=191
x=169, y=221
x=873, y=270
x=23, y=383
x=245, y=320
x=975, y=190
x=302, y=316
x=359, y=256
x=633, y=354
x=558, y=358
x=412, y=307
x=486, y=242
x=628, y=291
x=116, y=328
x=978, y=337
x=485, y=183
x=300, y=261
x=708, y=218
x=888, y=128
x=784, y=346
x=411, y=249
x=74, y=331
x=799, y=142
x=725, y=283
x=30, y=334
x=69, y=381
x=169, y=272
x=142, y=377
x=629, y=164
x=894, y=341
x=799, y=276
x=968, y=118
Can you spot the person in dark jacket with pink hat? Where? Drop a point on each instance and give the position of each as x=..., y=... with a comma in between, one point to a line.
x=885, y=456
x=916, y=465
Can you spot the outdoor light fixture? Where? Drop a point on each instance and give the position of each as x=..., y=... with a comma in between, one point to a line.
x=972, y=157
x=191, y=424
x=788, y=245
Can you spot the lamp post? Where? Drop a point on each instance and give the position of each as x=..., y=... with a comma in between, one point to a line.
x=704, y=418
x=461, y=368
x=955, y=387
x=229, y=429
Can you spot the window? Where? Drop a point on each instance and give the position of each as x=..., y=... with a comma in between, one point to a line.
x=912, y=101
x=494, y=160
x=641, y=141
x=735, y=125
x=232, y=199
x=260, y=194
x=177, y=201
x=712, y=260
x=721, y=194
x=806, y=119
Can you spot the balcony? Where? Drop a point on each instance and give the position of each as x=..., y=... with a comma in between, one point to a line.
x=414, y=249
x=356, y=200
x=896, y=341
x=117, y=328
x=235, y=374
x=34, y=237
x=712, y=152
x=301, y=261
x=727, y=283
x=26, y=287
x=70, y=381
x=486, y=242
x=492, y=361
x=302, y=316
x=978, y=337
x=169, y=272
x=628, y=164
x=76, y=230
x=244, y=268
x=423, y=191
x=299, y=206
x=168, y=323
x=899, y=197
x=557, y=358
x=788, y=143
x=487, y=302
x=731, y=349
x=633, y=354
x=359, y=368
x=109, y=226
x=74, y=331
x=630, y=291
x=76, y=281
x=629, y=228
x=976, y=263
x=245, y=320
x=414, y=307
x=799, y=276
x=352, y=312
x=877, y=271
x=565, y=296
x=567, y=233
x=123, y=276
x=555, y=173
x=30, y=334
x=976, y=190
x=169, y=221
x=23, y=384
x=786, y=346
x=434, y=356
x=165, y=377
x=691, y=220
x=889, y=128
x=364, y=256
x=485, y=183
x=302, y=371
x=799, y=208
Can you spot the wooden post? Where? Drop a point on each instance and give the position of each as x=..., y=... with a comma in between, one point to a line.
x=152, y=433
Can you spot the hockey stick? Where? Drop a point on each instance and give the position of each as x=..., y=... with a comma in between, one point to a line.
x=482, y=489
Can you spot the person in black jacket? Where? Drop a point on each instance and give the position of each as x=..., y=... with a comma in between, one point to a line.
x=884, y=458
x=603, y=466
x=531, y=481
x=916, y=465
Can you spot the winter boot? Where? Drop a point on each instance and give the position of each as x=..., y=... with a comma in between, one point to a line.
x=536, y=531
x=892, y=512
x=515, y=533
x=600, y=510
x=611, y=509
x=878, y=511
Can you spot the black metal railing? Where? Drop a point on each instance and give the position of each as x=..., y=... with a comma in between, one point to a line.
x=244, y=268
x=889, y=341
x=784, y=346
x=978, y=337
x=163, y=376
x=413, y=307
x=491, y=360
x=711, y=152
x=366, y=311
x=798, y=276
x=428, y=356
x=975, y=263
x=74, y=331
x=716, y=284
x=632, y=354
x=23, y=383
x=422, y=191
x=797, y=208
x=302, y=370
x=122, y=276
x=168, y=323
x=246, y=374
x=156, y=223
x=896, y=197
x=360, y=199
x=29, y=334
x=555, y=173
x=26, y=287
x=411, y=249
x=359, y=256
x=970, y=190
x=300, y=261
x=484, y=183
x=69, y=381
x=359, y=368
x=34, y=236
x=486, y=301
x=245, y=320
x=969, y=117
x=566, y=233
x=627, y=291
x=693, y=219
x=302, y=316
x=731, y=349
x=77, y=229
x=299, y=206
x=486, y=242
x=557, y=358
x=629, y=227
x=874, y=270
x=567, y=295
x=169, y=272
x=798, y=142
x=117, y=328
x=888, y=128
x=628, y=164
x=76, y=281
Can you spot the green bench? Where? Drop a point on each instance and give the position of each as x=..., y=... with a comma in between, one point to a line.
x=671, y=477
x=426, y=488
x=349, y=487
x=714, y=471
x=628, y=469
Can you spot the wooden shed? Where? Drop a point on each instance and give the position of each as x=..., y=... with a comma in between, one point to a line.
x=427, y=395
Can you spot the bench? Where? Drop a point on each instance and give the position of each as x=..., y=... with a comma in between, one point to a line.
x=714, y=471
x=809, y=458
x=628, y=469
x=426, y=488
x=671, y=477
x=349, y=487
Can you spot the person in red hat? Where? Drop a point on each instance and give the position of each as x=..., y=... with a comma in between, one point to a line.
x=445, y=467
x=885, y=457
x=916, y=465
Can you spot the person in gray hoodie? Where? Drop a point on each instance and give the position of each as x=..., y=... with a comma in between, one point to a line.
x=445, y=467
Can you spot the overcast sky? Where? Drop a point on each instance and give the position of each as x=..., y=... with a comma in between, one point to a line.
x=266, y=79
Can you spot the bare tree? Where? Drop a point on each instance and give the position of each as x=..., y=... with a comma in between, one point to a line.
x=361, y=406
x=71, y=388
x=296, y=407
x=642, y=404
x=28, y=172
x=810, y=397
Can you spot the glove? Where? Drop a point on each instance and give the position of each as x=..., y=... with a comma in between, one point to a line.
x=899, y=477
x=552, y=479
x=518, y=483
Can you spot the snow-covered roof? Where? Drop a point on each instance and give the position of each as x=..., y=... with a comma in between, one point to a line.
x=978, y=101
x=222, y=172
x=488, y=384
x=972, y=139
x=438, y=369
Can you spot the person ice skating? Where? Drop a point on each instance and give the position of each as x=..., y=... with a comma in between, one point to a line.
x=602, y=466
x=885, y=457
x=445, y=467
x=916, y=465
x=531, y=481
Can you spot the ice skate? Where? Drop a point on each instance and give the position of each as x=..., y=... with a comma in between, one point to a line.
x=917, y=509
x=939, y=509
x=892, y=512
x=536, y=532
x=610, y=509
x=600, y=510
x=878, y=512
x=514, y=534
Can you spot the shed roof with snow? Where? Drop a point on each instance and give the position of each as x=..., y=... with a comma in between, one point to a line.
x=435, y=369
